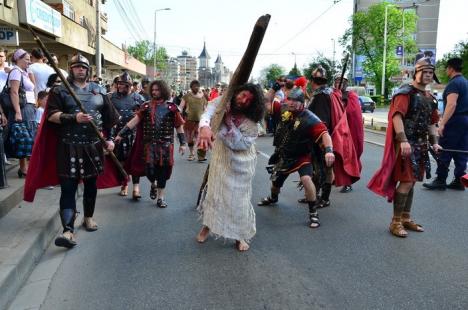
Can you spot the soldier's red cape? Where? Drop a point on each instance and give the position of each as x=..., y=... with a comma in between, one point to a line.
x=354, y=115
x=42, y=170
x=347, y=166
x=382, y=182
x=464, y=180
x=134, y=165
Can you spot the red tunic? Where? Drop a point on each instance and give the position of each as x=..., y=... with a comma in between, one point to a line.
x=394, y=168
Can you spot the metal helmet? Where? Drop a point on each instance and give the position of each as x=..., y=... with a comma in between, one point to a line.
x=125, y=78
x=319, y=75
x=424, y=63
x=296, y=94
x=79, y=60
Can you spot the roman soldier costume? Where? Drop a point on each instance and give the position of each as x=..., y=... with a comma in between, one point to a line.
x=79, y=153
x=418, y=109
x=153, y=151
x=295, y=135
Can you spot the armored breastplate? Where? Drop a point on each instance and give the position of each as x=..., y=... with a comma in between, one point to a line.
x=93, y=102
x=418, y=116
x=293, y=139
x=158, y=126
x=126, y=106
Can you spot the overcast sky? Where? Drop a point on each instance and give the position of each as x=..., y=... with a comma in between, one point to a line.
x=302, y=27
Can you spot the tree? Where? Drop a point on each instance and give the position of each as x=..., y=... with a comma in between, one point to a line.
x=269, y=74
x=295, y=72
x=326, y=63
x=366, y=37
x=144, y=52
x=460, y=50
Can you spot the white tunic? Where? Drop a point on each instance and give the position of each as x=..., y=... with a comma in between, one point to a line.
x=226, y=208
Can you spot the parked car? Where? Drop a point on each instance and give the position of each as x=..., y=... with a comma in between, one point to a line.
x=367, y=104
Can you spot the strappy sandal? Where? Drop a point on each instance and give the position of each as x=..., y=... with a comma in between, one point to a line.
x=411, y=225
x=191, y=157
x=323, y=204
x=303, y=200
x=314, y=220
x=153, y=192
x=161, y=203
x=267, y=201
x=397, y=229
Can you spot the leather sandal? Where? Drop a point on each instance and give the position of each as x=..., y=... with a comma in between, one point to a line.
x=65, y=240
x=267, y=201
x=303, y=200
x=136, y=195
x=397, y=229
x=153, y=192
x=411, y=225
x=314, y=220
x=323, y=204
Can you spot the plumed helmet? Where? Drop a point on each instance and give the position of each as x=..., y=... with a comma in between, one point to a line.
x=79, y=60
x=319, y=75
x=300, y=82
x=125, y=78
x=338, y=76
x=424, y=62
x=296, y=94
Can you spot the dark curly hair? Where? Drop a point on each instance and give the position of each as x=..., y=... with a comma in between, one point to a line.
x=163, y=88
x=256, y=109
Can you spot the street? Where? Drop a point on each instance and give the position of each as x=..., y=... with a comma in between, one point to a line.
x=143, y=257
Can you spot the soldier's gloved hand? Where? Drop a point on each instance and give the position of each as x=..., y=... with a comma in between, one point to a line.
x=276, y=86
x=83, y=118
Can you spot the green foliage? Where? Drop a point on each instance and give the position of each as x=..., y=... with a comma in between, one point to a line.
x=366, y=37
x=326, y=63
x=269, y=74
x=295, y=71
x=461, y=50
x=144, y=52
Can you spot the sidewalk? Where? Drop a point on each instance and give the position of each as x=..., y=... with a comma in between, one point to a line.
x=375, y=121
x=26, y=229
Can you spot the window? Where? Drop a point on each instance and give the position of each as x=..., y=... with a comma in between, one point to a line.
x=68, y=10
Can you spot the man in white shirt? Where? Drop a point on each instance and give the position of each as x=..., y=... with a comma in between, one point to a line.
x=40, y=70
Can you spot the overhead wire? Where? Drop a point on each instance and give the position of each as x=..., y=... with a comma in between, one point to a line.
x=136, y=17
x=127, y=21
x=307, y=26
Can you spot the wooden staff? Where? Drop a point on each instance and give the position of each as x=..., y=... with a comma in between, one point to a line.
x=77, y=101
x=240, y=76
x=242, y=73
x=343, y=71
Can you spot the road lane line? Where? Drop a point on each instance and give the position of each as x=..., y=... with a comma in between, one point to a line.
x=263, y=154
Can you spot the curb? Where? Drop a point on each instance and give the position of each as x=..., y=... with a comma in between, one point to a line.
x=31, y=229
x=11, y=195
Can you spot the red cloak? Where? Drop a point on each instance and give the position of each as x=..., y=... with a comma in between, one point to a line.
x=383, y=183
x=43, y=163
x=347, y=166
x=354, y=115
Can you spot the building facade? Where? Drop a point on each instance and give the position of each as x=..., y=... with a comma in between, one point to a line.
x=66, y=27
x=188, y=69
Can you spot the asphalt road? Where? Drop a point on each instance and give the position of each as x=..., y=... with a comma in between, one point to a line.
x=143, y=257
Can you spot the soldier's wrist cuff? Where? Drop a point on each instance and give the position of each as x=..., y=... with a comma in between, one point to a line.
x=181, y=137
x=66, y=118
x=328, y=149
x=124, y=131
x=433, y=139
x=401, y=137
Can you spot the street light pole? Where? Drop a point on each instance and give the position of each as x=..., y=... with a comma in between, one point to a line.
x=334, y=52
x=384, y=56
x=154, y=41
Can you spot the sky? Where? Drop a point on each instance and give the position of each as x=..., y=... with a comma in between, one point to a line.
x=298, y=31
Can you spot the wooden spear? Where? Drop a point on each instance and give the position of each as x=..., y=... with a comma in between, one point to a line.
x=75, y=98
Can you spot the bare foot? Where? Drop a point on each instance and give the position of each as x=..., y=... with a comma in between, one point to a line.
x=242, y=246
x=203, y=234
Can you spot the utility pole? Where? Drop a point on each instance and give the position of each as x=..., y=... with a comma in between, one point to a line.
x=384, y=58
x=334, y=52
x=98, y=38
